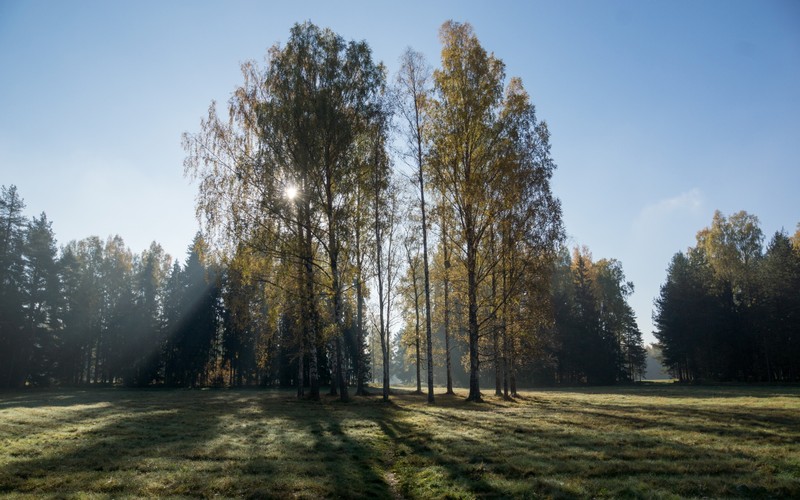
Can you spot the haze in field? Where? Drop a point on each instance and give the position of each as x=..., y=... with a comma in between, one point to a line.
x=660, y=113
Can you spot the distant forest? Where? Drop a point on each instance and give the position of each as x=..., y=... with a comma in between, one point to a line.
x=729, y=311
x=356, y=227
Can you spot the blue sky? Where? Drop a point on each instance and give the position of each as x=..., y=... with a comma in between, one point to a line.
x=660, y=112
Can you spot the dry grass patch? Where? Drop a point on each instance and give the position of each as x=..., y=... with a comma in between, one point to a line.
x=655, y=441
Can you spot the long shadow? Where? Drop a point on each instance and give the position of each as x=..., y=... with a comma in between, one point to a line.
x=467, y=462
x=140, y=433
x=121, y=436
x=466, y=473
x=351, y=467
x=36, y=398
x=360, y=466
x=605, y=436
x=280, y=447
x=549, y=474
x=743, y=423
x=681, y=390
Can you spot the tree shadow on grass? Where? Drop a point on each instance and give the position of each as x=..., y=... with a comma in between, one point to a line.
x=362, y=448
x=150, y=443
x=568, y=450
x=38, y=398
x=472, y=467
x=112, y=447
x=681, y=390
x=333, y=445
x=267, y=444
x=419, y=464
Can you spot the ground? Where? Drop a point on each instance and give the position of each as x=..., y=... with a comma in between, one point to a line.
x=655, y=441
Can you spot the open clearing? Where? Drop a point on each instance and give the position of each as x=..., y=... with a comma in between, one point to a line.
x=652, y=440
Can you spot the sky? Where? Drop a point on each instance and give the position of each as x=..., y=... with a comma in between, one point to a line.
x=661, y=112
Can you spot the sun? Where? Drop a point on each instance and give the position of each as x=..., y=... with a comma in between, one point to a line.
x=291, y=192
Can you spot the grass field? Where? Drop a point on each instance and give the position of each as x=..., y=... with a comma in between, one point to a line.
x=659, y=441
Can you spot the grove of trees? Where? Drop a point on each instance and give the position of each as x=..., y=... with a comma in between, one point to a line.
x=353, y=227
x=94, y=313
x=729, y=310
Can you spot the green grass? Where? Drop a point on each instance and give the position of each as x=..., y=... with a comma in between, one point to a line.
x=654, y=441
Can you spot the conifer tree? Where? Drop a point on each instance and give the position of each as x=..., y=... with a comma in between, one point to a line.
x=14, y=340
x=42, y=302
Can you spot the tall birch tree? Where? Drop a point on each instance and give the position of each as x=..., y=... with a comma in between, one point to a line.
x=294, y=129
x=413, y=82
x=487, y=161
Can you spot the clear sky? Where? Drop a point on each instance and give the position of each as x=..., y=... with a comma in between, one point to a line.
x=660, y=111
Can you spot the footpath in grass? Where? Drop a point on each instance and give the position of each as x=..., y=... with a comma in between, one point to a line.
x=658, y=441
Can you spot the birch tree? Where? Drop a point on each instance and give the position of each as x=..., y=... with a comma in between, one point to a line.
x=413, y=82
x=490, y=163
x=294, y=128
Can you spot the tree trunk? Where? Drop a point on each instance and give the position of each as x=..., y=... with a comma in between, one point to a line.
x=333, y=372
x=336, y=285
x=504, y=313
x=358, y=362
x=303, y=319
x=387, y=355
x=413, y=269
x=505, y=361
x=446, y=286
x=382, y=328
x=498, y=374
x=382, y=299
x=512, y=371
x=338, y=335
x=472, y=293
x=427, y=284
x=342, y=382
x=416, y=344
x=300, y=387
x=498, y=389
x=310, y=310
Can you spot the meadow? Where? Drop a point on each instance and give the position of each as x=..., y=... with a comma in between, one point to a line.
x=655, y=441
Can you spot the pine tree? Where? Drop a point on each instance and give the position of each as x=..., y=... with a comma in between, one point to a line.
x=15, y=341
x=149, y=278
x=174, y=292
x=197, y=319
x=42, y=302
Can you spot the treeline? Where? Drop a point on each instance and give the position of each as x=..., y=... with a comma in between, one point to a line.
x=338, y=207
x=729, y=310
x=96, y=313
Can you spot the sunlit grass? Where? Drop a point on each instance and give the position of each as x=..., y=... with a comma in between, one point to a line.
x=654, y=441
